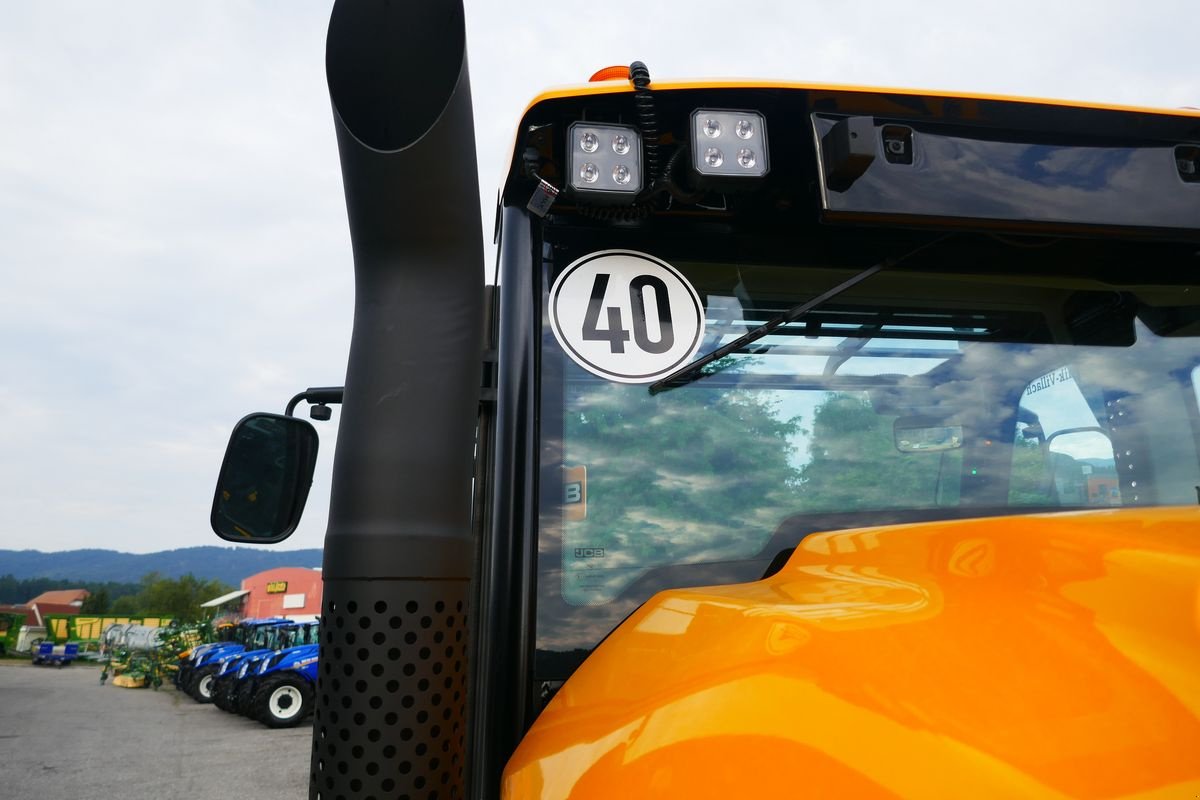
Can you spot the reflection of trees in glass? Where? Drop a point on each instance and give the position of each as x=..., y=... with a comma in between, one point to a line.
x=688, y=475
x=255, y=495
x=704, y=474
x=854, y=463
x=1055, y=478
x=1028, y=483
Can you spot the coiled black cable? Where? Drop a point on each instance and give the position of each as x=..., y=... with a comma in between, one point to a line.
x=643, y=99
x=655, y=185
x=672, y=187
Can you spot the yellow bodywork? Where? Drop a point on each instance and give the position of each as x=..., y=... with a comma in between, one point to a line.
x=925, y=95
x=1016, y=657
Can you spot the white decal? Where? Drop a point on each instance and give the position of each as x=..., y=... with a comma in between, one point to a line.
x=626, y=316
x=1060, y=375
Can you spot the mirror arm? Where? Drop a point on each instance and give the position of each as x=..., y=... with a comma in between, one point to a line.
x=317, y=395
x=1085, y=429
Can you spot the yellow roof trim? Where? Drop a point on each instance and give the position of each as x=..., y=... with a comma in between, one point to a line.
x=614, y=87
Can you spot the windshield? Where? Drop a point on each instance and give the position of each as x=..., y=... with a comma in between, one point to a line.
x=912, y=396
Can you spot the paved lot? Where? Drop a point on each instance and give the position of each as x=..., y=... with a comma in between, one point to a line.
x=63, y=735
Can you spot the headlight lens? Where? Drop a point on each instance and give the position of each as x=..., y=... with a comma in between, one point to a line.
x=729, y=143
x=605, y=161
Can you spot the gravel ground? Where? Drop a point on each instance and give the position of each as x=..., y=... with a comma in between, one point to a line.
x=63, y=735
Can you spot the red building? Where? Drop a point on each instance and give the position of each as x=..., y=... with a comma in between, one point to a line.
x=62, y=597
x=292, y=592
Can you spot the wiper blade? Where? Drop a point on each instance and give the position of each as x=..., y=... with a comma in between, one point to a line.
x=693, y=371
x=690, y=372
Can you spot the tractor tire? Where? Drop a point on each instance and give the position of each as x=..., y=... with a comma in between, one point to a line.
x=222, y=691
x=283, y=700
x=203, y=683
x=243, y=700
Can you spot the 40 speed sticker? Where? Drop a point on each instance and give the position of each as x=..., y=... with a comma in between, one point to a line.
x=626, y=316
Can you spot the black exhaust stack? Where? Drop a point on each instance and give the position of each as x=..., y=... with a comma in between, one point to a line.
x=390, y=711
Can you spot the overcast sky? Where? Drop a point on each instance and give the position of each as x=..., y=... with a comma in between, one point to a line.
x=172, y=232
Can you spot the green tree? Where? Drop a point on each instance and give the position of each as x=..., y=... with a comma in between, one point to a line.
x=96, y=603
x=179, y=598
x=126, y=605
x=693, y=474
x=19, y=591
x=854, y=463
x=1030, y=480
x=14, y=590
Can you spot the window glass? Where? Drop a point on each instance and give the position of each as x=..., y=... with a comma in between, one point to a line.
x=910, y=397
x=1061, y=454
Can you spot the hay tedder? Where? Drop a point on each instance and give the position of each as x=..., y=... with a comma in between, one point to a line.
x=138, y=656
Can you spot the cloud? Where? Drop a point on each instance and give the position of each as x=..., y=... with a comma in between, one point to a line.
x=173, y=241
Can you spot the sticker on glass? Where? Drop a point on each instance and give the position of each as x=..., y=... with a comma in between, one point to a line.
x=626, y=316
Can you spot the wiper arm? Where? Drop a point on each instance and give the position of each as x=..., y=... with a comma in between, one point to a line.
x=690, y=372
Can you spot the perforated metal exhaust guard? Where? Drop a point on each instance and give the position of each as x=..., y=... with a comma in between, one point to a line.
x=390, y=708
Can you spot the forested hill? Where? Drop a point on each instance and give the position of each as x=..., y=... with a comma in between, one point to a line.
x=226, y=564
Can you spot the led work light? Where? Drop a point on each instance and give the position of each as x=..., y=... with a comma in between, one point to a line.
x=729, y=144
x=605, y=161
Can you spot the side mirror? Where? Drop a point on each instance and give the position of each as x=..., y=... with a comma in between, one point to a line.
x=265, y=478
x=925, y=435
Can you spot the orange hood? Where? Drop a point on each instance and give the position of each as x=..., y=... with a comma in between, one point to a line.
x=1037, y=656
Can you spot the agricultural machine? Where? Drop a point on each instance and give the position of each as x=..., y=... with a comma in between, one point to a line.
x=198, y=671
x=237, y=678
x=814, y=440
x=285, y=686
x=140, y=655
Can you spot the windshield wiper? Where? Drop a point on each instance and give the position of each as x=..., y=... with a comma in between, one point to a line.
x=693, y=371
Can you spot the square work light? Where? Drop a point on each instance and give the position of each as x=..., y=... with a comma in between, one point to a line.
x=605, y=161
x=729, y=144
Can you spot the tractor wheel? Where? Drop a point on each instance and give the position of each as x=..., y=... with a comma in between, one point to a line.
x=220, y=693
x=203, y=684
x=283, y=701
x=243, y=701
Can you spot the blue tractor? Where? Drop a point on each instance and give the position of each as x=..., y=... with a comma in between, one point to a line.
x=224, y=634
x=285, y=687
x=236, y=680
x=205, y=663
x=266, y=640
